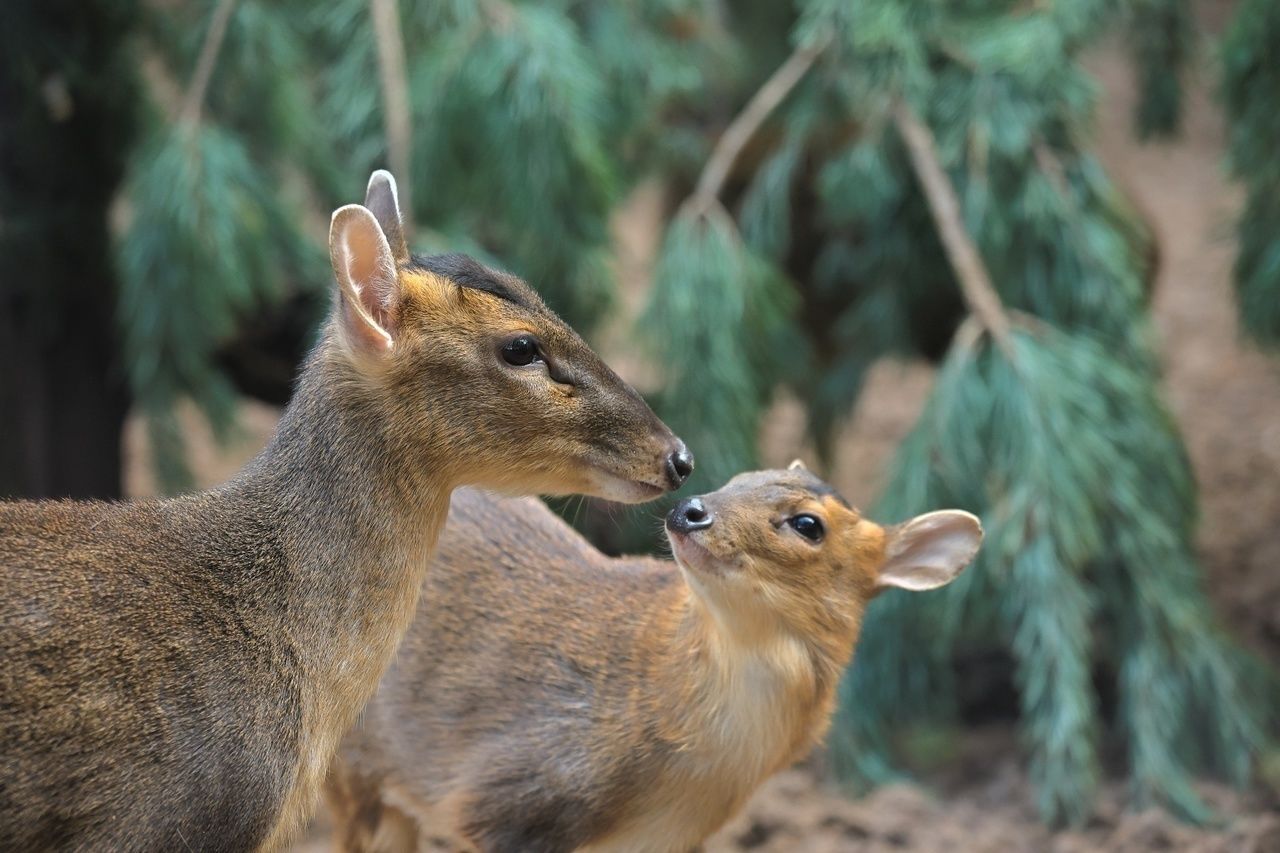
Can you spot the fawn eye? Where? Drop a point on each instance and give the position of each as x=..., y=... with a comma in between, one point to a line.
x=807, y=526
x=521, y=351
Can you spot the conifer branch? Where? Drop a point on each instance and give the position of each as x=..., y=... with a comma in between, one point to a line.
x=1052, y=168
x=395, y=100
x=975, y=282
x=193, y=101
x=747, y=122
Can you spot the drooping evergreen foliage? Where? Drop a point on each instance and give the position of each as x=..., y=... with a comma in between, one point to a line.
x=1251, y=77
x=804, y=251
x=1087, y=566
x=1162, y=35
x=709, y=281
x=215, y=239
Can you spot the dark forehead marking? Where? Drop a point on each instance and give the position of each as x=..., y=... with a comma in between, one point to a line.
x=466, y=271
x=822, y=488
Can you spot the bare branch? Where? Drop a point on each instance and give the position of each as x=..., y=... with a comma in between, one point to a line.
x=747, y=122
x=193, y=101
x=975, y=282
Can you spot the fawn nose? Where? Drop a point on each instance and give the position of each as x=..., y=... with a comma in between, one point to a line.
x=679, y=466
x=689, y=515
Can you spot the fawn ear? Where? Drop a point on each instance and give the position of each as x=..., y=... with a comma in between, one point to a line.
x=369, y=286
x=383, y=201
x=797, y=465
x=930, y=550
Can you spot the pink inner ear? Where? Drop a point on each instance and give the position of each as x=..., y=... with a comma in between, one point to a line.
x=365, y=266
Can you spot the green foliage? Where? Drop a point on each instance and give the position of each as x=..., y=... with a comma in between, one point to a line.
x=1185, y=705
x=1257, y=267
x=878, y=275
x=766, y=216
x=899, y=46
x=652, y=57
x=527, y=77
x=1009, y=106
x=1162, y=38
x=1250, y=80
x=717, y=384
x=1065, y=452
x=210, y=244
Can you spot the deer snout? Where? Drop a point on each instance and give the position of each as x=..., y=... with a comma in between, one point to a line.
x=689, y=515
x=679, y=465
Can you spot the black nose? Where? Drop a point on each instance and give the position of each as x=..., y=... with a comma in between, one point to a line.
x=679, y=467
x=689, y=515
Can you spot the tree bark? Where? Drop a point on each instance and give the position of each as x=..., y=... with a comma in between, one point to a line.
x=67, y=118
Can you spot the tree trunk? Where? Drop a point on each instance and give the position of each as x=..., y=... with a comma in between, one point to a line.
x=68, y=96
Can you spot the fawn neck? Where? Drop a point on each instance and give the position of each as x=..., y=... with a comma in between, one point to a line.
x=751, y=692
x=733, y=697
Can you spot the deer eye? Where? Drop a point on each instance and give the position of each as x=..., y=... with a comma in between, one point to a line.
x=807, y=526
x=521, y=351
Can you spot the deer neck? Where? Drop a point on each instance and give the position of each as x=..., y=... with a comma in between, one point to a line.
x=751, y=692
x=360, y=509
x=357, y=509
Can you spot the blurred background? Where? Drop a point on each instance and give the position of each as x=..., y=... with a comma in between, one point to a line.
x=1017, y=257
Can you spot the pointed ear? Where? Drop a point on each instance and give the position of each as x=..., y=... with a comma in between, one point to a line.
x=383, y=201
x=369, y=286
x=930, y=550
x=797, y=465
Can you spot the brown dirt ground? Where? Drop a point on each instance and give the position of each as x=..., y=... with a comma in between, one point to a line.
x=1226, y=396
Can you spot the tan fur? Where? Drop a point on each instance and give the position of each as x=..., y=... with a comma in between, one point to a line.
x=179, y=673
x=548, y=698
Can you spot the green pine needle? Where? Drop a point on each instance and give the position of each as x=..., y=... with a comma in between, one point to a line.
x=1250, y=77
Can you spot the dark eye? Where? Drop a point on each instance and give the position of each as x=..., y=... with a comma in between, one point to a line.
x=521, y=351
x=807, y=526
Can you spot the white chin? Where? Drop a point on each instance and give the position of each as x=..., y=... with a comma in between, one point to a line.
x=612, y=488
x=694, y=558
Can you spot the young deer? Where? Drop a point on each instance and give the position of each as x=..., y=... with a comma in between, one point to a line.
x=548, y=698
x=178, y=673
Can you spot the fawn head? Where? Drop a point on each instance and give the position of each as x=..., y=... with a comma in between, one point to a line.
x=471, y=371
x=781, y=550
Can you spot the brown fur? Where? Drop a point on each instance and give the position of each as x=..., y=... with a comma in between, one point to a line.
x=178, y=673
x=548, y=698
